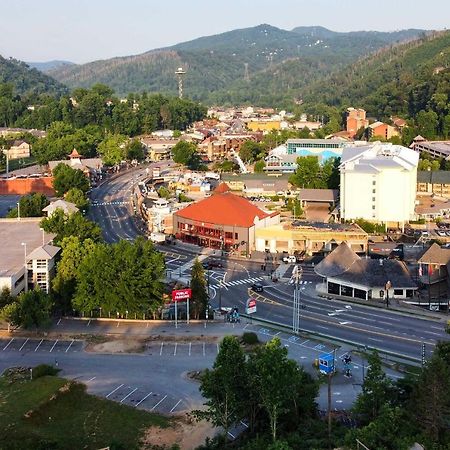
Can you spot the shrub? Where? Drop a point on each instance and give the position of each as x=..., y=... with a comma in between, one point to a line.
x=250, y=338
x=43, y=370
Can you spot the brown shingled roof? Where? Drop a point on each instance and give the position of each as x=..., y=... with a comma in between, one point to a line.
x=435, y=255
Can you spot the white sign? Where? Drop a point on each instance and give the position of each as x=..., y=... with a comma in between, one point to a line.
x=250, y=307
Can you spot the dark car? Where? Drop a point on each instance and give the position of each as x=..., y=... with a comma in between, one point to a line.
x=256, y=287
x=212, y=264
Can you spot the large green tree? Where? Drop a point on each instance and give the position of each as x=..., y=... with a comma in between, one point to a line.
x=112, y=149
x=199, y=300
x=30, y=205
x=77, y=197
x=308, y=173
x=66, y=178
x=185, y=153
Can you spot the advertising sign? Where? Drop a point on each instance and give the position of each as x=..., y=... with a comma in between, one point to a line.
x=250, y=307
x=181, y=294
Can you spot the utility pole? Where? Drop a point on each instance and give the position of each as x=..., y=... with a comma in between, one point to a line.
x=296, y=275
x=330, y=374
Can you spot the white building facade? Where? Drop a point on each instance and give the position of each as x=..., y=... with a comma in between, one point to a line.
x=378, y=183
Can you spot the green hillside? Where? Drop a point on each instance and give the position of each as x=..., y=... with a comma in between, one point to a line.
x=411, y=80
x=215, y=65
x=27, y=80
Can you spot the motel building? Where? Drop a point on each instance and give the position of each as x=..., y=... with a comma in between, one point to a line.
x=347, y=275
x=224, y=221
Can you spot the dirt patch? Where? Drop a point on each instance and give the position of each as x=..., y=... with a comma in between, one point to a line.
x=185, y=339
x=184, y=432
x=117, y=346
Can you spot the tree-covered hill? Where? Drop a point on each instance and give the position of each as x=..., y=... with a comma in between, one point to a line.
x=217, y=65
x=26, y=80
x=49, y=65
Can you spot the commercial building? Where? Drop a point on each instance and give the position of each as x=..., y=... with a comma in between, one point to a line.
x=378, y=183
x=437, y=149
x=223, y=221
x=348, y=275
x=382, y=130
x=91, y=167
x=322, y=148
x=309, y=238
x=19, y=149
x=435, y=182
x=257, y=183
x=356, y=119
x=24, y=243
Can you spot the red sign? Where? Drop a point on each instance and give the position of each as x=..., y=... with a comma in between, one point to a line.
x=250, y=307
x=181, y=294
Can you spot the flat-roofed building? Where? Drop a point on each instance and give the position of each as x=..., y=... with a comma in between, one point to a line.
x=322, y=148
x=435, y=182
x=309, y=238
x=437, y=149
x=36, y=253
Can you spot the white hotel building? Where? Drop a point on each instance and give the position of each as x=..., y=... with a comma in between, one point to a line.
x=378, y=183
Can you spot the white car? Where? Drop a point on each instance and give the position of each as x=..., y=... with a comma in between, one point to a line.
x=289, y=259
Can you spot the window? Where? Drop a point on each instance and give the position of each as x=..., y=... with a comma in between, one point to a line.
x=373, y=206
x=347, y=291
x=359, y=293
x=41, y=263
x=333, y=288
x=398, y=292
x=374, y=183
x=373, y=199
x=373, y=191
x=236, y=236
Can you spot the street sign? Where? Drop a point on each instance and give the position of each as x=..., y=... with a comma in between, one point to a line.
x=250, y=307
x=181, y=294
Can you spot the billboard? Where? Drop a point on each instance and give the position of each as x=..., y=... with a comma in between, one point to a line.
x=250, y=307
x=181, y=294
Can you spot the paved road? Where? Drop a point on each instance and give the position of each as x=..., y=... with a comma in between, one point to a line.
x=364, y=326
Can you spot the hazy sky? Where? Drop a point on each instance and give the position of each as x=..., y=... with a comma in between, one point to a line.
x=85, y=30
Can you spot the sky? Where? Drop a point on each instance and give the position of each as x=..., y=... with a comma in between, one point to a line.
x=86, y=30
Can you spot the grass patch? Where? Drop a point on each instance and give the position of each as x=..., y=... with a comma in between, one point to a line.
x=54, y=413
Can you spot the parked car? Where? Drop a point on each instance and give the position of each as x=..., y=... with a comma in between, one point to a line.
x=256, y=287
x=212, y=264
x=441, y=233
x=291, y=259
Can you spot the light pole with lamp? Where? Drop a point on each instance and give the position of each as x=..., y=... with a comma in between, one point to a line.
x=18, y=211
x=25, y=265
x=296, y=276
x=43, y=236
x=387, y=287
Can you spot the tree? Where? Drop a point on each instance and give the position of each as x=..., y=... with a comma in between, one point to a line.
x=112, y=149
x=199, y=290
x=226, y=166
x=78, y=197
x=274, y=375
x=259, y=166
x=250, y=151
x=308, y=173
x=75, y=224
x=185, y=153
x=134, y=150
x=163, y=192
x=225, y=386
x=5, y=297
x=66, y=178
x=30, y=205
x=330, y=173
x=375, y=390
x=10, y=313
x=426, y=123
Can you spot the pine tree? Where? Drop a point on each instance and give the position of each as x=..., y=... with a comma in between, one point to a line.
x=199, y=301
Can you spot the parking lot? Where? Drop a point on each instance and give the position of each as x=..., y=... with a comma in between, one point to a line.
x=187, y=349
x=26, y=345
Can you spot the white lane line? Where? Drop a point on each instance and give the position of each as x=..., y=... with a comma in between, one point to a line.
x=190, y=345
x=89, y=322
x=54, y=345
x=246, y=325
x=7, y=345
x=243, y=423
x=179, y=401
x=162, y=345
x=114, y=390
x=203, y=349
x=322, y=326
x=276, y=334
x=42, y=340
x=126, y=396
x=118, y=323
x=23, y=345
x=159, y=402
x=232, y=435
x=145, y=398
x=70, y=345
x=175, y=349
x=91, y=379
x=217, y=348
x=59, y=321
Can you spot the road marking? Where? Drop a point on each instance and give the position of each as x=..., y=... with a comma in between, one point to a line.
x=190, y=345
x=246, y=325
x=162, y=345
x=319, y=346
x=217, y=348
x=118, y=323
x=54, y=345
x=338, y=401
x=231, y=435
x=344, y=323
x=245, y=425
x=59, y=321
x=175, y=349
x=276, y=334
x=375, y=339
x=179, y=401
x=7, y=345
x=203, y=349
x=91, y=379
x=70, y=345
x=114, y=390
x=126, y=396
x=293, y=339
x=159, y=402
x=42, y=340
x=304, y=342
x=145, y=398
x=23, y=345
x=89, y=322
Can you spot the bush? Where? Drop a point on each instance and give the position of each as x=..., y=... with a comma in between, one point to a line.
x=44, y=370
x=250, y=338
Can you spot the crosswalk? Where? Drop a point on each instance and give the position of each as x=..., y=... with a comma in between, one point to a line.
x=237, y=282
x=109, y=203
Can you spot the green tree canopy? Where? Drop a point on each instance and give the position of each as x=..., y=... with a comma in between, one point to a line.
x=112, y=149
x=30, y=205
x=185, y=153
x=78, y=197
x=199, y=301
x=66, y=178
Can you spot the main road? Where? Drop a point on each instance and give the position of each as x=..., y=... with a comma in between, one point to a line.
x=364, y=326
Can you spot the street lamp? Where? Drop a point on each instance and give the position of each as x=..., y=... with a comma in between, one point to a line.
x=43, y=236
x=296, y=275
x=18, y=211
x=387, y=287
x=25, y=265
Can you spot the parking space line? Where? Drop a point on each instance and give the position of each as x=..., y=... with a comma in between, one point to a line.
x=54, y=345
x=59, y=321
x=118, y=323
x=140, y=401
x=159, y=402
x=70, y=345
x=190, y=345
x=245, y=425
x=246, y=325
x=23, y=345
x=217, y=348
x=126, y=396
x=42, y=340
x=203, y=349
x=89, y=322
x=232, y=435
x=178, y=402
x=175, y=349
x=114, y=390
x=91, y=379
x=7, y=345
x=162, y=345
x=304, y=342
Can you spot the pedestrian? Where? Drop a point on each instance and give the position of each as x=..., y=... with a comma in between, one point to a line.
x=56, y=362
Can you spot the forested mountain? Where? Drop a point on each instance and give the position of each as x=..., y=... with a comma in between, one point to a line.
x=49, y=65
x=27, y=80
x=220, y=67
x=411, y=80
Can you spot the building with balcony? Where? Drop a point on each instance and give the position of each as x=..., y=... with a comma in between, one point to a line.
x=223, y=221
